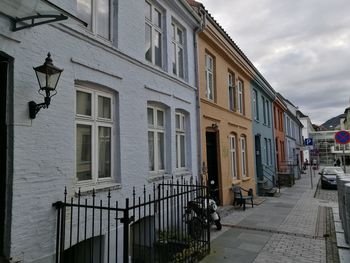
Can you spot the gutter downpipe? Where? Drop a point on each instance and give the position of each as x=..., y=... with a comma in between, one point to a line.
x=196, y=31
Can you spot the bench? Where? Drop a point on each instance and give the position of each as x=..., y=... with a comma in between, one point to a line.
x=239, y=198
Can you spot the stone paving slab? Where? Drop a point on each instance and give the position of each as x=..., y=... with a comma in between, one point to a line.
x=237, y=245
x=287, y=248
x=281, y=229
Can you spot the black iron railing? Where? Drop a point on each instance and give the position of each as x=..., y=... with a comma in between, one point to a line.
x=156, y=226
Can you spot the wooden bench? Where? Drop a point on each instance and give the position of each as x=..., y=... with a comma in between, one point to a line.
x=239, y=198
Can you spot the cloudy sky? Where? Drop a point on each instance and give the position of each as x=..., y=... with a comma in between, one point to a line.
x=302, y=47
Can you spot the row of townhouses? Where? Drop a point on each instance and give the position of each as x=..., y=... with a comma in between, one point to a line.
x=150, y=90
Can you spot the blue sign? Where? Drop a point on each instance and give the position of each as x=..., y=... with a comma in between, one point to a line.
x=309, y=142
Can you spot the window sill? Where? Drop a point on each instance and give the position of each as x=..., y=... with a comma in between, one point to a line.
x=182, y=173
x=154, y=177
x=99, y=187
x=246, y=178
x=236, y=181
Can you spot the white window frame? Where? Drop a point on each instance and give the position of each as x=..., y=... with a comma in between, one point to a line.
x=157, y=130
x=95, y=122
x=155, y=29
x=233, y=156
x=255, y=105
x=209, y=71
x=270, y=150
x=178, y=45
x=267, y=106
x=267, y=162
x=264, y=109
x=243, y=144
x=231, y=91
x=180, y=132
x=240, y=96
x=94, y=19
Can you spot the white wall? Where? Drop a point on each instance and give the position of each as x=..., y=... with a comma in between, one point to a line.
x=44, y=148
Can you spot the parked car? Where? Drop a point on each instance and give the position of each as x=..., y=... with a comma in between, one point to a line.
x=329, y=176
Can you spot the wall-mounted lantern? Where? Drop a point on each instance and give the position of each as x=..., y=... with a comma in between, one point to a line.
x=48, y=76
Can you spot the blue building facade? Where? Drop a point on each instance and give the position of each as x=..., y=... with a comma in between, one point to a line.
x=262, y=96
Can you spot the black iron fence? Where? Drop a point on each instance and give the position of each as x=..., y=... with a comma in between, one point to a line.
x=158, y=225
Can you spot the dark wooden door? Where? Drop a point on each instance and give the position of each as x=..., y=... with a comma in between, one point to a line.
x=258, y=162
x=212, y=164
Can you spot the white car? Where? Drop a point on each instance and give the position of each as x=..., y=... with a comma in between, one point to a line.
x=329, y=176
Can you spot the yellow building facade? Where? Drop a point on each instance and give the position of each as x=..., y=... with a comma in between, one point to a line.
x=225, y=112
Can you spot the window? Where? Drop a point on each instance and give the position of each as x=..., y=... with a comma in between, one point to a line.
x=240, y=97
x=231, y=91
x=267, y=112
x=94, y=129
x=264, y=109
x=255, y=105
x=233, y=156
x=178, y=50
x=243, y=156
x=97, y=13
x=270, y=151
x=209, y=75
x=180, y=140
x=156, y=138
x=266, y=151
x=153, y=34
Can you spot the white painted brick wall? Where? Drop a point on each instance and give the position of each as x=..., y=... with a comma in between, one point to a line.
x=44, y=149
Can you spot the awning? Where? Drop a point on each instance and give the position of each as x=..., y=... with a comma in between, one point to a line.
x=30, y=13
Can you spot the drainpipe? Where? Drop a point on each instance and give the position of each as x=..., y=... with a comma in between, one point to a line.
x=196, y=31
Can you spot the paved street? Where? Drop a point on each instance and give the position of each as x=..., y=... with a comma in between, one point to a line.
x=288, y=228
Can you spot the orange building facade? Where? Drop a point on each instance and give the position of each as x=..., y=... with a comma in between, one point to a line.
x=279, y=108
x=225, y=112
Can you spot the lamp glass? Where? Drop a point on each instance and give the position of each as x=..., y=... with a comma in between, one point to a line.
x=47, y=81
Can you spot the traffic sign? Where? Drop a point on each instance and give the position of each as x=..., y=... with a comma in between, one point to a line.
x=308, y=142
x=342, y=137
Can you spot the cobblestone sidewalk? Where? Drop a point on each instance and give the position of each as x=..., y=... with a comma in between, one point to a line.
x=281, y=229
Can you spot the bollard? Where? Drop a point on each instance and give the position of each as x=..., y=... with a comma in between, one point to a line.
x=341, y=181
x=347, y=212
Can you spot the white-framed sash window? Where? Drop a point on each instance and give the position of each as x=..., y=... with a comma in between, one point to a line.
x=156, y=138
x=233, y=155
x=97, y=14
x=209, y=76
x=240, y=97
x=243, y=142
x=255, y=105
x=94, y=135
x=231, y=91
x=153, y=34
x=180, y=140
x=178, y=50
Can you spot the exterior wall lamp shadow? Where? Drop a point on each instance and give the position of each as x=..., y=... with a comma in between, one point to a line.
x=48, y=76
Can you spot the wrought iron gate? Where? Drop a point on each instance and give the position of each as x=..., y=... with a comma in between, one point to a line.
x=155, y=226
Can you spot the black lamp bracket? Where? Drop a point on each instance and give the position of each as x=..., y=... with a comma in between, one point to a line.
x=34, y=108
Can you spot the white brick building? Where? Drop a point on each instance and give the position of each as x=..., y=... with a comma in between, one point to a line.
x=125, y=113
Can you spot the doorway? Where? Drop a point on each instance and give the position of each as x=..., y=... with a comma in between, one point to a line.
x=212, y=164
x=258, y=162
x=5, y=200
